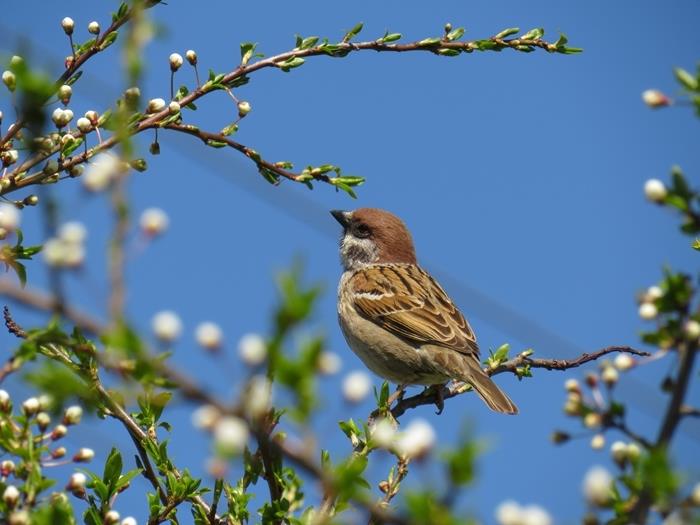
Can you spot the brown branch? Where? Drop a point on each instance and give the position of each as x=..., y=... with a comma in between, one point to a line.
x=673, y=412
x=156, y=119
x=431, y=396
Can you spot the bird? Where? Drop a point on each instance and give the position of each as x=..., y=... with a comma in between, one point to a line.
x=396, y=317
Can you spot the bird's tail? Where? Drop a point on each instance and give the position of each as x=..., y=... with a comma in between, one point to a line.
x=483, y=385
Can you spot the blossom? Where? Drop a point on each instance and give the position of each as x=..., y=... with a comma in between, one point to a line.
x=356, y=386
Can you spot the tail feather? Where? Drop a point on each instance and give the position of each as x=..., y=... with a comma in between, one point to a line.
x=493, y=396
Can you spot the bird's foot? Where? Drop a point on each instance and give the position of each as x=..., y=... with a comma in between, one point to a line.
x=439, y=397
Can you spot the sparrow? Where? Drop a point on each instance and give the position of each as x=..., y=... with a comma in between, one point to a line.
x=397, y=318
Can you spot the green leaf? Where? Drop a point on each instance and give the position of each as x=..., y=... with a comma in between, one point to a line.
x=109, y=40
x=390, y=37
x=112, y=470
x=428, y=42
x=216, y=143
x=230, y=129
x=247, y=50
x=687, y=80
x=455, y=34
x=533, y=34
x=291, y=63
x=71, y=146
x=308, y=42
x=569, y=50
x=507, y=32
x=696, y=244
x=121, y=12
x=353, y=32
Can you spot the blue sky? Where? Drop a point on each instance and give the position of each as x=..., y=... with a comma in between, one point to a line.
x=520, y=176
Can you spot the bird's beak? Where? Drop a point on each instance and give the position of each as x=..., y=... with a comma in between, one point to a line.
x=343, y=217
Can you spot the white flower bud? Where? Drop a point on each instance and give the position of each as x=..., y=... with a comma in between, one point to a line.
x=417, y=440
x=598, y=442
x=94, y=28
x=356, y=386
x=84, y=125
x=111, y=517
x=618, y=451
x=610, y=375
x=691, y=329
x=67, y=24
x=9, y=216
x=54, y=252
x=58, y=432
x=592, y=420
x=43, y=420
x=11, y=496
x=84, y=455
x=252, y=349
x=67, y=139
x=383, y=433
x=155, y=105
x=9, y=157
x=1, y=115
x=174, y=107
x=329, y=363
x=655, y=98
x=9, y=79
x=101, y=171
x=58, y=453
x=231, y=434
x=16, y=61
x=243, y=108
x=175, y=60
x=31, y=406
x=191, y=57
x=572, y=385
x=258, y=396
x=648, y=311
x=76, y=483
x=597, y=486
x=655, y=190
x=7, y=467
x=154, y=221
x=209, y=335
x=509, y=512
x=205, y=417
x=129, y=520
x=73, y=232
x=64, y=93
x=695, y=495
x=535, y=515
x=5, y=401
x=654, y=293
x=633, y=452
x=60, y=117
x=72, y=415
x=167, y=326
x=624, y=362
x=92, y=116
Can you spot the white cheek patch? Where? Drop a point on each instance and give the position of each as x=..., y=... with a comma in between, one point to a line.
x=356, y=252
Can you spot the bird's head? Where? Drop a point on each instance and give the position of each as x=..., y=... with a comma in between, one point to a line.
x=371, y=235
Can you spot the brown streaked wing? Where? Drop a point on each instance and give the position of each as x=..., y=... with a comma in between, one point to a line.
x=407, y=301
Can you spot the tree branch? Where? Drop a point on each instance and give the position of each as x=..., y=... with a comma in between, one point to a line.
x=431, y=396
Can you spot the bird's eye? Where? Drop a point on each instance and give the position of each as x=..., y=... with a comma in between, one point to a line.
x=361, y=231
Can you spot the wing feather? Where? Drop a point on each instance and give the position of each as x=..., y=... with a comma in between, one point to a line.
x=408, y=302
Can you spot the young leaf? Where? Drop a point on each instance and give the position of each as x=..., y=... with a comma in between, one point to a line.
x=353, y=32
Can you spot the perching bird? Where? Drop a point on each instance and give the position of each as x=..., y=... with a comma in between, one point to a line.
x=396, y=317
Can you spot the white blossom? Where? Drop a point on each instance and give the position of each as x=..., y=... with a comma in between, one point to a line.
x=655, y=190
x=94, y=28
x=155, y=105
x=231, y=434
x=383, y=433
x=175, y=60
x=243, y=108
x=76, y=482
x=101, y=170
x=624, y=362
x=695, y=495
x=72, y=232
x=509, y=512
x=618, y=451
x=67, y=24
x=356, y=386
x=252, y=349
x=72, y=415
x=167, y=326
x=209, y=335
x=84, y=455
x=417, y=440
x=31, y=406
x=154, y=221
x=191, y=56
x=129, y=520
x=648, y=311
x=10, y=496
x=111, y=517
x=655, y=98
x=205, y=417
x=9, y=216
x=535, y=515
x=598, y=442
x=610, y=375
x=597, y=485
x=329, y=363
x=691, y=329
x=84, y=124
x=258, y=396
